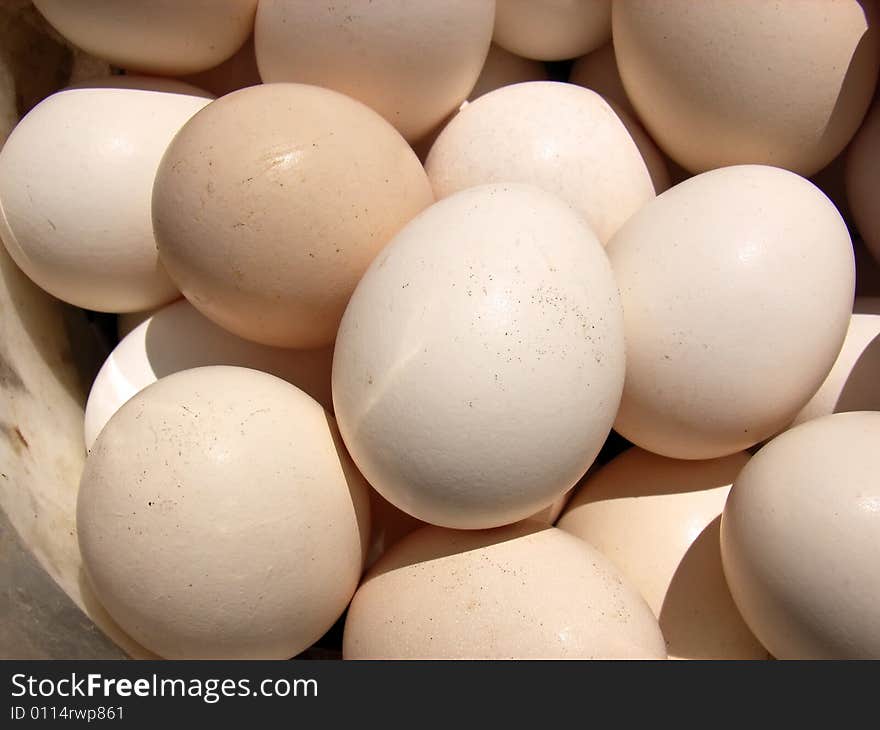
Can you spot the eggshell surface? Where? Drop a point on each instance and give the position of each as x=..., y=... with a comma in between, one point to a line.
x=178, y=338
x=503, y=68
x=799, y=540
x=598, y=71
x=719, y=83
x=852, y=384
x=562, y=138
x=657, y=520
x=76, y=177
x=269, y=206
x=862, y=180
x=219, y=517
x=164, y=37
x=737, y=287
x=479, y=363
x=449, y=594
x=552, y=30
x=413, y=63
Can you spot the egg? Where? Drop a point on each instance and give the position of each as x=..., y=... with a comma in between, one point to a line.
x=127, y=321
x=719, y=83
x=799, y=540
x=164, y=37
x=862, y=180
x=852, y=384
x=737, y=288
x=270, y=204
x=657, y=520
x=488, y=594
x=480, y=361
x=414, y=63
x=552, y=30
x=178, y=337
x=220, y=517
x=559, y=137
x=76, y=177
x=237, y=72
x=503, y=68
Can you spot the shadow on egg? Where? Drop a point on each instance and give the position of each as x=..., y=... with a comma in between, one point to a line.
x=861, y=391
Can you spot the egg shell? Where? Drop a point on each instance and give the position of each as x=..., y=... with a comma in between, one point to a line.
x=852, y=384
x=862, y=178
x=178, y=337
x=718, y=83
x=658, y=520
x=488, y=594
x=560, y=137
x=737, y=287
x=76, y=177
x=220, y=517
x=164, y=37
x=598, y=71
x=270, y=204
x=414, y=63
x=799, y=540
x=552, y=30
x=479, y=363
x=127, y=321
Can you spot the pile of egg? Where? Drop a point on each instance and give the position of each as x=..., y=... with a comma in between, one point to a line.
x=385, y=289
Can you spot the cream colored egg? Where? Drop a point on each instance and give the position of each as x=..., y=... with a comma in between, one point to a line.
x=220, y=517
x=862, y=177
x=657, y=520
x=524, y=591
x=177, y=338
x=271, y=203
x=503, y=68
x=560, y=137
x=76, y=177
x=414, y=63
x=479, y=363
x=737, y=288
x=552, y=30
x=852, y=384
x=598, y=71
x=236, y=72
x=127, y=321
x=799, y=540
x=164, y=37
x=721, y=83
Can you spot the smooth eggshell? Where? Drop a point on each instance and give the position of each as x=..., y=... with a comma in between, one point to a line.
x=598, y=71
x=76, y=177
x=414, y=63
x=657, y=520
x=164, y=37
x=178, y=338
x=552, y=30
x=219, y=517
x=236, y=72
x=852, y=384
x=560, y=137
x=503, y=68
x=862, y=176
x=721, y=83
x=524, y=591
x=270, y=204
x=799, y=540
x=737, y=288
x=479, y=364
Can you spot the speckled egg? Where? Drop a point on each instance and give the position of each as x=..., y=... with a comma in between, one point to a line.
x=737, y=287
x=479, y=363
x=799, y=540
x=524, y=591
x=270, y=204
x=220, y=517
